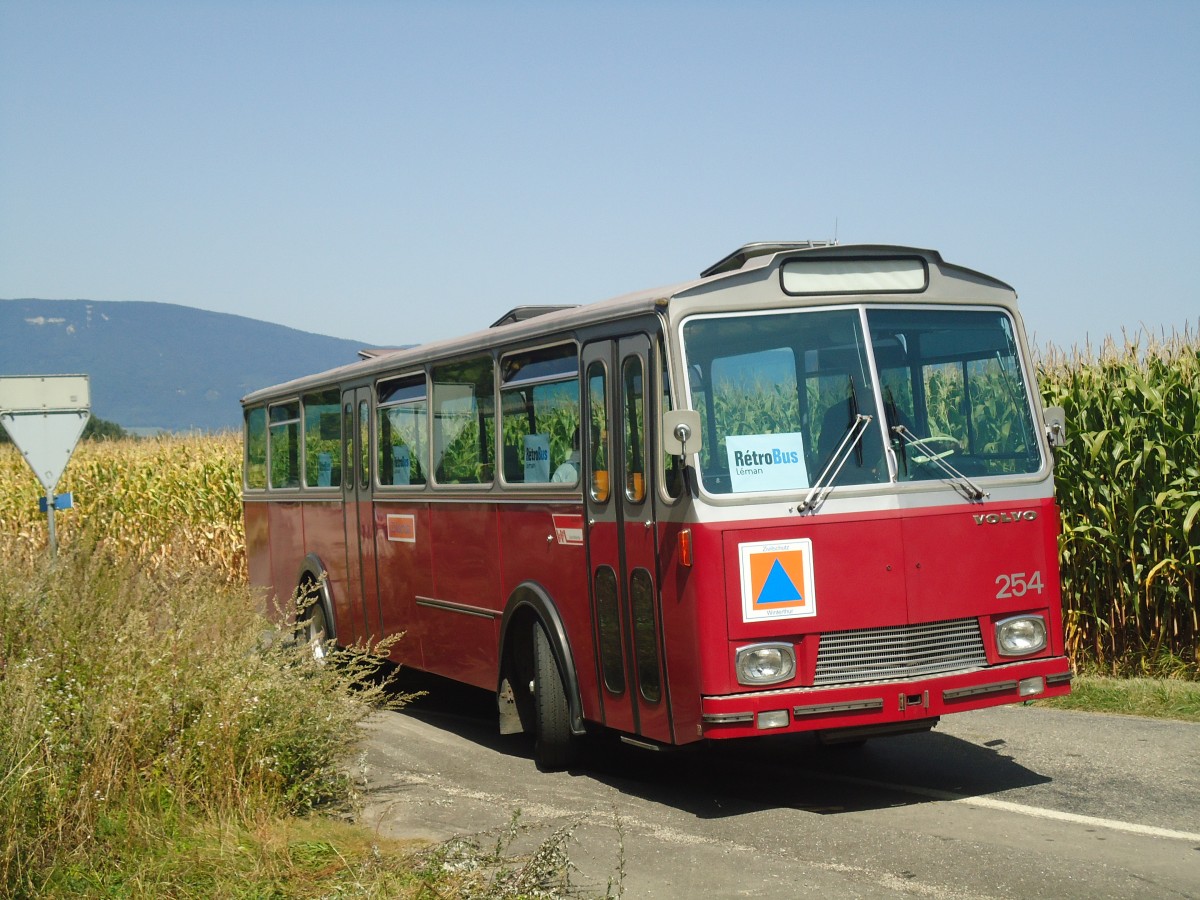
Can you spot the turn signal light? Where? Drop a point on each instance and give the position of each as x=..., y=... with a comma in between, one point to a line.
x=685, y=547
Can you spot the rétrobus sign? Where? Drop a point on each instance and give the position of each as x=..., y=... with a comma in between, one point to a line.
x=767, y=462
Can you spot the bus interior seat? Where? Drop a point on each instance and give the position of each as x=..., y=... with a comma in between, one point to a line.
x=514, y=466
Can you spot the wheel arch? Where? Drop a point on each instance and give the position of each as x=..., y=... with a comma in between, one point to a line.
x=530, y=603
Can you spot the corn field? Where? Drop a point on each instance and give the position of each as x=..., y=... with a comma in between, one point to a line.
x=156, y=497
x=1128, y=484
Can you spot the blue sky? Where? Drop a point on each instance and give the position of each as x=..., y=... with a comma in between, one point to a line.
x=396, y=172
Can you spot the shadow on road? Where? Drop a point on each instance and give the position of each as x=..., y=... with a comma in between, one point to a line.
x=716, y=779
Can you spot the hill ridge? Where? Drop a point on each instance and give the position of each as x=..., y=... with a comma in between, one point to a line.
x=157, y=365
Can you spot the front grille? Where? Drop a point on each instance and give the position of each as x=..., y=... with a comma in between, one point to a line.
x=901, y=651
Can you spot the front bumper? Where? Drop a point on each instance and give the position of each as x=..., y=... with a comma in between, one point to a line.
x=882, y=703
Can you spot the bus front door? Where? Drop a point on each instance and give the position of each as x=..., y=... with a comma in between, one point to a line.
x=361, y=604
x=622, y=535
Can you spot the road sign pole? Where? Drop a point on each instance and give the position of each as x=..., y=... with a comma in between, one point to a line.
x=50, y=524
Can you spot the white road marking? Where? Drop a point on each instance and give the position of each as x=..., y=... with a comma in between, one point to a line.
x=1021, y=809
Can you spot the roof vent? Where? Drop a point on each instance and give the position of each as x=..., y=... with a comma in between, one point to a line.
x=521, y=313
x=739, y=257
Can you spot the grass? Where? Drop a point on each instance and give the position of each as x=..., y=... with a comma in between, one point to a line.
x=278, y=857
x=158, y=737
x=1154, y=698
x=141, y=708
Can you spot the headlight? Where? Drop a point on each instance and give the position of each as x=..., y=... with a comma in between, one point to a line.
x=765, y=663
x=1020, y=635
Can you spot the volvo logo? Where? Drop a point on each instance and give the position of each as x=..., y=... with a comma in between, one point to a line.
x=1018, y=515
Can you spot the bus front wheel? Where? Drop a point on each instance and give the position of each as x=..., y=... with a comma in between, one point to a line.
x=554, y=746
x=316, y=630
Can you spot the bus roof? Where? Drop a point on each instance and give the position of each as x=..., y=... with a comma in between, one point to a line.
x=746, y=265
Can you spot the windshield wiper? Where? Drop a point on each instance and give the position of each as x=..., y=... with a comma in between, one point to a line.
x=957, y=479
x=824, y=483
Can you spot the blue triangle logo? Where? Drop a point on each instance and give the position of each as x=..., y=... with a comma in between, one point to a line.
x=778, y=588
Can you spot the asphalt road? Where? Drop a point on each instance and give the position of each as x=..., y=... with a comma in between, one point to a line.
x=1009, y=802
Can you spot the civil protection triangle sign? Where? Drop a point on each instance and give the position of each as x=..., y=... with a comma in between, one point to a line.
x=777, y=580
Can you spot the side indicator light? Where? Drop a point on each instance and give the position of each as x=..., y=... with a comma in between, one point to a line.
x=685, y=547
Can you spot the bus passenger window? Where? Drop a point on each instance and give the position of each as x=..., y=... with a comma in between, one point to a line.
x=322, y=439
x=635, y=429
x=645, y=634
x=348, y=442
x=608, y=628
x=463, y=421
x=256, y=448
x=364, y=443
x=284, y=445
x=597, y=438
x=403, y=412
x=539, y=405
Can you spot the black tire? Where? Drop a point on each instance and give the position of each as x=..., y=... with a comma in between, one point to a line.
x=554, y=746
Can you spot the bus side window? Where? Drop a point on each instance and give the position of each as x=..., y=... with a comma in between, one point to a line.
x=283, y=446
x=598, y=431
x=635, y=428
x=348, y=442
x=539, y=404
x=256, y=448
x=403, y=412
x=322, y=439
x=463, y=421
x=364, y=444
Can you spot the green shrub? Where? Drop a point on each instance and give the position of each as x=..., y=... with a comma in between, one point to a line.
x=134, y=698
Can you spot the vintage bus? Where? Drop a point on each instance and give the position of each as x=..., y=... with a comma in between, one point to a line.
x=809, y=491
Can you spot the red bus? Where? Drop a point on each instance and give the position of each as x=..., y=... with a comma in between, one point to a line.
x=809, y=491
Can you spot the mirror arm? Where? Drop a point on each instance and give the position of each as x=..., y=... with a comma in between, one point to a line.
x=682, y=433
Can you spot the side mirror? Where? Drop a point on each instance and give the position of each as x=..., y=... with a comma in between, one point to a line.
x=681, y=432
x=1055, y=418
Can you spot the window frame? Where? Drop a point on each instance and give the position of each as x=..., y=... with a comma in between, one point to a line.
x=500, y=381
x=246, y=444
x=435, y=460
x=336, y=392
x=862, y=307
x=381, y=408
x=295, y=422
x=1025, y=372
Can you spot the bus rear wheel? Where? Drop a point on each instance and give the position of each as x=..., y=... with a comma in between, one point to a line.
x=554, y=746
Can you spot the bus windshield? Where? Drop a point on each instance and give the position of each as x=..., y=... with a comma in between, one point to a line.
x=779, y=396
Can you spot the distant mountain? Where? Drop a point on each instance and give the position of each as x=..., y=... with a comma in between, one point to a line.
x=157, y=365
